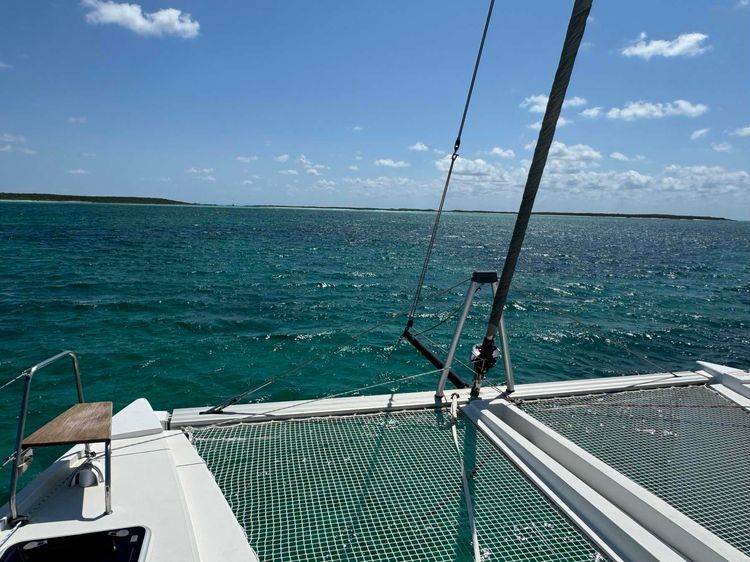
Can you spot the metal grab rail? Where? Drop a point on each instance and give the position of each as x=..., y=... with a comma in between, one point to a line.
x=28, y=375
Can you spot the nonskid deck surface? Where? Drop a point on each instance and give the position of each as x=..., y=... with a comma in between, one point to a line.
x=381, y=487
x=687, y=445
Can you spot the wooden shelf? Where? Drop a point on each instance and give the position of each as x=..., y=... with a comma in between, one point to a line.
x=87, y=422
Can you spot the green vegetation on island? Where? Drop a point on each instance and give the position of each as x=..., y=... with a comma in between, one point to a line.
x=53, y=197
x=88, y=199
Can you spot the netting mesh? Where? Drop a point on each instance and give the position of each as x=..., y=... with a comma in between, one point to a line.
x=687, y=445
x=380, y=487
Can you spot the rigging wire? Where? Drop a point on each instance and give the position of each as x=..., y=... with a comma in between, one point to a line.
x=454, y=156
x=11, y=381
x=233, y=400
x=336, y=395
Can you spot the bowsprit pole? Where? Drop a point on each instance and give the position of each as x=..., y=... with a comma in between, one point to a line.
x=485, y=356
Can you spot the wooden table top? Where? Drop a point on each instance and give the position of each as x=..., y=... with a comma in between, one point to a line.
x=88, y=422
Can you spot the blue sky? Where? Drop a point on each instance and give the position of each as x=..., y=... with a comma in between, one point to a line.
x=357, y=103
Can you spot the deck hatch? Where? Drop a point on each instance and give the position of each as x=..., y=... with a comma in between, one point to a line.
x=380, y=487
x=687, y=445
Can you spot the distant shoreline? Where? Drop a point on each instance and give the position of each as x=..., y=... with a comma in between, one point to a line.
x=56, y=198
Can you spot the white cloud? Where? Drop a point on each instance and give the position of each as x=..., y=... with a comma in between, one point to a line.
x=591, y=112
x=354, y=168
x=247, y=159
x=247, y=182
x=379, y=182
x=419, y=147
x=535, y=104
x=743, y=3
x=13, y=142
x=742, y=131
x=577, y=170
x=310, y=167
x=358, y=157
x=165, y=180
x=721, y=146
x=696, y=180
x=11, y=138
x=573, y=152
x=390, y=163
x=282, y=158
x=476, y=167
x=647, y=110
x=502, y=152
x=480, y=176
x=77, y=120
x=575, y=101
x=623, y=158
x=561, y=122
x=289, y=172
x=168, y=21
x=699, y=134
x=357, y=128
x=325, y=184
x=205, y=174
x=5, y=66
x=538, y=103
x=687, y=44
x=77, y=172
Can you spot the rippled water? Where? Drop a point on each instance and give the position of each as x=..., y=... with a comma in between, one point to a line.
x=188, y=305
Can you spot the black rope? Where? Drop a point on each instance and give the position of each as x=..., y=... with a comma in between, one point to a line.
x=573, y=38
x=454, y=156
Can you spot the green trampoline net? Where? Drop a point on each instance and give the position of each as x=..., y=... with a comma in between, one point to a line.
x=687, y=445
x=381, y=487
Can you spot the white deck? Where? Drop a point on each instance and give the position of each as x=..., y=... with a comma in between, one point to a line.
x=158, y=482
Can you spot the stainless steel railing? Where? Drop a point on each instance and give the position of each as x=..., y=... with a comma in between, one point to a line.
x=18, y=462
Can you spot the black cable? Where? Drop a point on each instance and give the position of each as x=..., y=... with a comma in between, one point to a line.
x=454, y=156
x=573, y=37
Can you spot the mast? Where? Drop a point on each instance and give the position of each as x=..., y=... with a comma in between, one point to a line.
x=573, y=37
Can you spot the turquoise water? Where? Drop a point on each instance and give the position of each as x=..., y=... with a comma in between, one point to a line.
x=189, y=305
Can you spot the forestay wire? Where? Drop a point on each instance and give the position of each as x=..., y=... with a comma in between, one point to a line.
x=573, y=38
x=454, y=156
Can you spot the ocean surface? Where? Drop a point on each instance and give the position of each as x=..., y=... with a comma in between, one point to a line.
x=189, y=305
